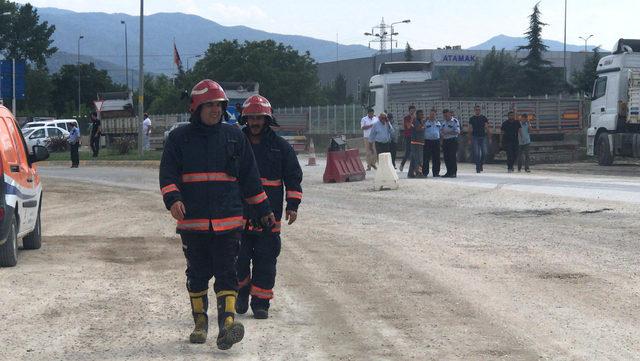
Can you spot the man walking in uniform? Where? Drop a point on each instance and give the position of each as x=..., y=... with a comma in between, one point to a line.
x=74, y=145
x=207, y=171
x=279, y=171
x=431, y=152
x=450, y=131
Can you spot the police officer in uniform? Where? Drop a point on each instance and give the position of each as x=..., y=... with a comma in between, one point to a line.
x=279, y=171
x=207, y=171
x=450, y=131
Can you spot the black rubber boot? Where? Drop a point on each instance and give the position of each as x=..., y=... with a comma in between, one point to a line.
x=242, y=303
x=260, y=308
x=231, y=331
x=199, y=305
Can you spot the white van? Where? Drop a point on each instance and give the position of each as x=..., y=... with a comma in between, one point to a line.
x=60, y=123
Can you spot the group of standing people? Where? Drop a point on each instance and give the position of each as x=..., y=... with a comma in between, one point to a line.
x=226, y=186
x=427, y=138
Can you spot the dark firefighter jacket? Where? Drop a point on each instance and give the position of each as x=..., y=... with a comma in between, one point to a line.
x=211, y=169
x=279, y=169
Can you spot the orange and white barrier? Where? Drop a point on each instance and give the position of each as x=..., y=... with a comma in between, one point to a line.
x=312, y=154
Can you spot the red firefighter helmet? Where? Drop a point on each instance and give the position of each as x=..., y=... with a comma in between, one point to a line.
x=207, y=91
x=258, y=105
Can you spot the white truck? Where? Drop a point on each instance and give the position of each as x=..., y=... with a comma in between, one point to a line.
x=402, y=82
x=614, y=128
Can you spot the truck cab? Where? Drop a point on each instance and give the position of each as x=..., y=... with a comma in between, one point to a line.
x=391, y=73
x=614, y=126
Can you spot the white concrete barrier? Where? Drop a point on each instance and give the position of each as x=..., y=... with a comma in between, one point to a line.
x=386, y=176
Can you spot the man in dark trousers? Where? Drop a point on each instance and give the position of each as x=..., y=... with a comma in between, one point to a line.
x=510, y=130
x=96, y=132
x=417, y=144
x=431, y=152
x=279, y=172
x=450, y=131
x=407, y=131
x=480, y=134
x=74, y=144
x=207, y=173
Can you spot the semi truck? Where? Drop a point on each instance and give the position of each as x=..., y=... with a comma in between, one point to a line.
x=614, y=124
x=554, y=122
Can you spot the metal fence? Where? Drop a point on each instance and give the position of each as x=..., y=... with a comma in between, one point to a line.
x=329, y=119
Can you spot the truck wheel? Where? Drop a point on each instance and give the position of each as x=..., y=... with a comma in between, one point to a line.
x=34, y=239
x=605, y=157
x=9, y=250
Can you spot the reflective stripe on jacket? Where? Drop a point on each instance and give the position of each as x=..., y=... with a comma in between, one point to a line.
x=212, y=170
x=279, y=170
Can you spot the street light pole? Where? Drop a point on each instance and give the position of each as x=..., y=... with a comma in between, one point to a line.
x=392, y=33
x=126, y=54
x=79, y=101
x=141, y=81
x=585, y=41
x=192, y=57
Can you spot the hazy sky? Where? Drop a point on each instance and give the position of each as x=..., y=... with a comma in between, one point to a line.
x=434, y=23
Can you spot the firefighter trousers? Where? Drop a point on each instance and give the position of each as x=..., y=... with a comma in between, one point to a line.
x=209, y=256
x=257, y=265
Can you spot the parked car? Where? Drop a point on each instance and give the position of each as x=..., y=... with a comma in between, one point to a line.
x=20, y=191
x=42, y=135
x=60, y=123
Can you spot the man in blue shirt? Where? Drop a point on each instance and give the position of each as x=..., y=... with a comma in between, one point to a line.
x=431, y=150
x=74, y=144
x=381, y=134
x=450, y=131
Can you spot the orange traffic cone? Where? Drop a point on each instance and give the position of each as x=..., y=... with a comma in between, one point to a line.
x=312, y=154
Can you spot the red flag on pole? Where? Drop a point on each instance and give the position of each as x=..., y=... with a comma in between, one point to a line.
x=176, y=56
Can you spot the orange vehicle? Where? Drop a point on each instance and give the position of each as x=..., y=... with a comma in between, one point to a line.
x=20, y=191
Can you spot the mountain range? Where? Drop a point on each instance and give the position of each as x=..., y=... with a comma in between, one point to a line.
x=103, y=41
x=511, y=43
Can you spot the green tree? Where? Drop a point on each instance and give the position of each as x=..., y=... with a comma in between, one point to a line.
x=23, y=36
x=162, y=95
x=408, y=53
x=538, y=78
x=39, y=89
x=285, y=76
x=496, y=75
x=583, y=80
x=92, y=81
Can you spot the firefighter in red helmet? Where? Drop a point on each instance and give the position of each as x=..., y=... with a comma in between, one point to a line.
x=281, y=176
x=207, y=175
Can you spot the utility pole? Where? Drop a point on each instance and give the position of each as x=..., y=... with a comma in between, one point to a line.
x=126, y=54
x=141, y=86
x=13, y=100
x=79, y=101
x=564, y=54
x=394, y=33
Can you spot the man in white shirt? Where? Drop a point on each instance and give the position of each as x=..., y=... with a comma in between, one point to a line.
x=366, y=124
x=146, y=131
